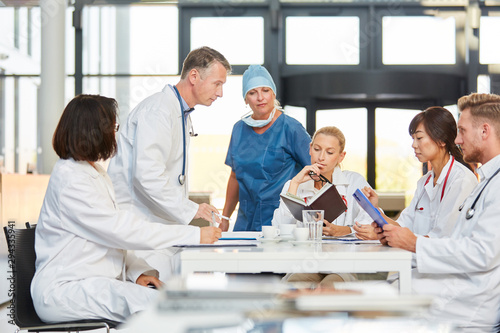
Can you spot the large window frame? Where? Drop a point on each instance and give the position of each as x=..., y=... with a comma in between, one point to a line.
x=274, y=13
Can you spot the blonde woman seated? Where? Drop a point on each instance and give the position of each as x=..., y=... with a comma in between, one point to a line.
x=327, y=152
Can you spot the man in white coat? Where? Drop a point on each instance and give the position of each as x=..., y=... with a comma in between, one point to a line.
x=149, y=171
x=462, y=272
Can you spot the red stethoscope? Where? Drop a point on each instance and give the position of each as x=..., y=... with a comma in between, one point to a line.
x=345, y=201
x=444, y=185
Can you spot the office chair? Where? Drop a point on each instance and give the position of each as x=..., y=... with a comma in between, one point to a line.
x=25, y=315
x=29, y=225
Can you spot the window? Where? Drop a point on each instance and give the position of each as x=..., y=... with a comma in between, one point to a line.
x=353, y=123
x=157, y=54
x=397, y=169
x=207, y=152
x=130, y=40
x=18, y=95
x=483, y=84
x=299, y=113
x=322, y=40
x=418, y=40
x=489, y=48
x=7, y=26
x=239, y=39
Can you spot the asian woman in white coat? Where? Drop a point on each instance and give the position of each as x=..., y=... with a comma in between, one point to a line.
x=434, y=210
x=83, y=270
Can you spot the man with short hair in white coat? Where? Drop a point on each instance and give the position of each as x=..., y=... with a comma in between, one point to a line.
x=149, y=171
x=462, y=272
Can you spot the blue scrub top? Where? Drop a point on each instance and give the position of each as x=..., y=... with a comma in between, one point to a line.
x=262, y=164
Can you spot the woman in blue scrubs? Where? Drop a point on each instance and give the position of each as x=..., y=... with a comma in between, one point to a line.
x=267, y=148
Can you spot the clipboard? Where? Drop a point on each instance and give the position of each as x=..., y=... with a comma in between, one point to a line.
x=363, y=201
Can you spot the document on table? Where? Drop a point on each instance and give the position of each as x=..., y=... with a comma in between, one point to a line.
x=224, y=243
x=241, y=235
x=350, y=238
x=351, y=235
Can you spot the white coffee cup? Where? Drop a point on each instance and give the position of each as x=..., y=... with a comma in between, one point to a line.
x=286, y=230
x=270, y=232
x=301, y=234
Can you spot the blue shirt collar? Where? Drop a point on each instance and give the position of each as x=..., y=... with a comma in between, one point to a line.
x=185, y=107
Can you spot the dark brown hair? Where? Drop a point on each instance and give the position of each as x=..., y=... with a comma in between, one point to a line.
x=86, y=130
x=440, y=125
x=201, y=59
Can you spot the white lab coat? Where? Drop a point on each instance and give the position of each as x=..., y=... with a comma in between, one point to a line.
x=146, y=168
x=435, y=217
x=463, y=271
x=347, y=182
x=82, y=266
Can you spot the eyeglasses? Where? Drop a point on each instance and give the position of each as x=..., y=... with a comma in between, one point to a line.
x=117, y=127
x=318, y=178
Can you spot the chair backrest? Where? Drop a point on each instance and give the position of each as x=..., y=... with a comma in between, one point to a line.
x=29, y=225
x=24, y=270
x=25, y=315
x=8, y=237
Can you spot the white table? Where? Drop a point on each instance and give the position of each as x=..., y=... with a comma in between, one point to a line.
x=284, y=257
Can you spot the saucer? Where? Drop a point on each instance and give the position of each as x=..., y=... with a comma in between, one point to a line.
x=269, y=240
x=287, y=237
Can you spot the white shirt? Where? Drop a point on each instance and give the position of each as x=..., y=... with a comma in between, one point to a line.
x=149, y=161
x=463, y=271
x=436, y=217
x=347, y=182
x=82, y=235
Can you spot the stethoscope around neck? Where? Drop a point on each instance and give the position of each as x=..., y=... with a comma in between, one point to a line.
x=471, y=210
x=444, y=185
x=182, y=176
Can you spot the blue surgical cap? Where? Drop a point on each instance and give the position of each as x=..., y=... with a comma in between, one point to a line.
x=257, y=76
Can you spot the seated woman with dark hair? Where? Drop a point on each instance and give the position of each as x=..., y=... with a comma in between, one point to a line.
x=434, y=209
x=83, y=270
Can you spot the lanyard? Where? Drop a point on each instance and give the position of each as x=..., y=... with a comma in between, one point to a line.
x=182, y=176
x=444, y=185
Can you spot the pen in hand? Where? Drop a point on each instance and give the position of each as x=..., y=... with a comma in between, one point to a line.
x=214, y=222
x=223, y=217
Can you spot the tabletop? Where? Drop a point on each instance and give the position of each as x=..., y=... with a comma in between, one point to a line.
x=285, y=257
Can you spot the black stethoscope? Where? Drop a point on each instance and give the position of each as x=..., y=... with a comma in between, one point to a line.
x=444, y=185
x=471, y=210
x=182, y=176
